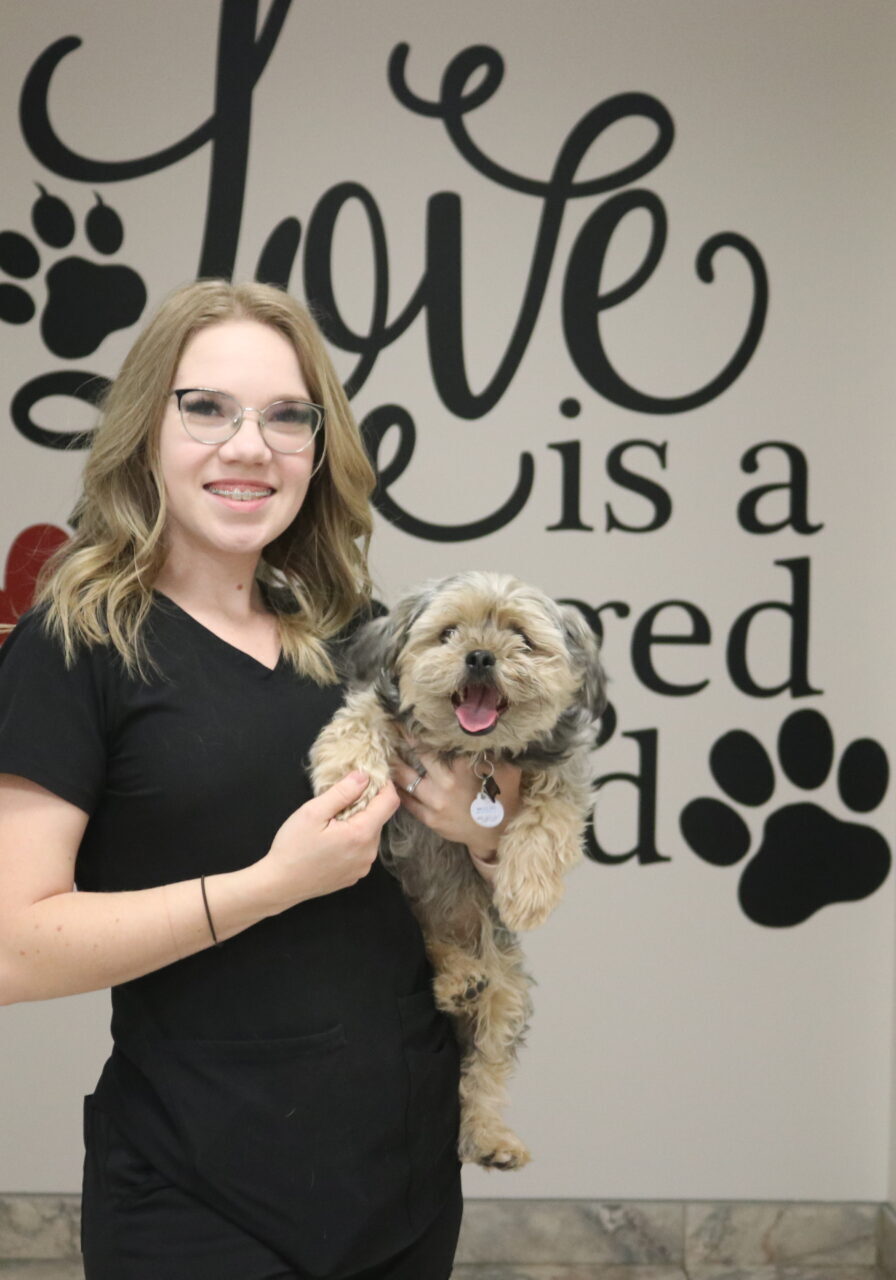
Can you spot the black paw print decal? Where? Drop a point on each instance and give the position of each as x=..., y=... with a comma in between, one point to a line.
x=86, y=301
x=808, y=858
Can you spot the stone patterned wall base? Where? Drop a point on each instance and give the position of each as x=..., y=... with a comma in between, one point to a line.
x=708, y=1240
x=67, y=1270
x=39, y=1227
x=543, y=1239
x=886, y=1242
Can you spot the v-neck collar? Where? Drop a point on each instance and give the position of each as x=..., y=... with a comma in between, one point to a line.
x=256, y=662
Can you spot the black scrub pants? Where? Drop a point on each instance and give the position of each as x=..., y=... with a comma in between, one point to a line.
x=136, y=1226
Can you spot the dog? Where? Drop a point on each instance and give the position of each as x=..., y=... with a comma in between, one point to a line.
x=484, y=668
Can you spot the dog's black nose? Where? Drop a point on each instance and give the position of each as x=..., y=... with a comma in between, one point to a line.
x=480, y=660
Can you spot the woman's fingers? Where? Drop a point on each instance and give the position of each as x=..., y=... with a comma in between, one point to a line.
x=408, y=779
x=382, y=806
x=342, y=794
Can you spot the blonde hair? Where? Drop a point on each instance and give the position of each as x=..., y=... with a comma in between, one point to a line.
x=98, y=586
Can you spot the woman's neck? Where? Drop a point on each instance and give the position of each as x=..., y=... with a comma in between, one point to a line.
x=228, y=590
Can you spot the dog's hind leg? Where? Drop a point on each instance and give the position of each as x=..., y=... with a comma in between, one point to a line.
x=494, y=1029
x=485, y=1139
x=460, y=977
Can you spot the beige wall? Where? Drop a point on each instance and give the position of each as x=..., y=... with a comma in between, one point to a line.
x=679, y=1048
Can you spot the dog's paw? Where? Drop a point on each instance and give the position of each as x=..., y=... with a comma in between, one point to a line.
x=458, y=993
x=357, y=807
x=529, y=881
x=493, y=1148
x=378, y=779
x=524, y=907
x=325, y=777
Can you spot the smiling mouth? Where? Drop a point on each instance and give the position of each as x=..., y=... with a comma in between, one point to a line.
x=239, y=493
x=478, y=708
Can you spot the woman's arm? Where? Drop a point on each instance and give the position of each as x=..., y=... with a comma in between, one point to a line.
x=55, y=941
x=442, y=800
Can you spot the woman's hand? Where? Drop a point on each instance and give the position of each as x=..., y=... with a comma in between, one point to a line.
x=315, y=853
x=442, y=797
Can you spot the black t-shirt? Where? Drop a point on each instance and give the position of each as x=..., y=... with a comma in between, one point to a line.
x=297, y=1077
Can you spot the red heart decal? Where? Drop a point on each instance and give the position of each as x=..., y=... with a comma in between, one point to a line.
x=28, y=553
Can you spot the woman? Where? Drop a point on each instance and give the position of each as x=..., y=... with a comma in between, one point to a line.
x=281, y=1099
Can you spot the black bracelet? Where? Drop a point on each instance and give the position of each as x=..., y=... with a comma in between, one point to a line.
x=208, y=912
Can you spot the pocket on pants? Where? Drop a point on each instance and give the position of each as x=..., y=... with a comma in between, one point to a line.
x=433, y=1115
x=117, y=1168
x=240, y=1100
x=115, y=1178
x=269, y=1126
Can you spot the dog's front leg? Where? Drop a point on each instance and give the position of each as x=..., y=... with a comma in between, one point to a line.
x=360, y=736
x=539, y=846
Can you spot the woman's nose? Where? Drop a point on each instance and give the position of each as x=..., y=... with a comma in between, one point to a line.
x=247, y=443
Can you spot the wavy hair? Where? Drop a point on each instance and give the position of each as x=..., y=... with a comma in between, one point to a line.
x=97, y=588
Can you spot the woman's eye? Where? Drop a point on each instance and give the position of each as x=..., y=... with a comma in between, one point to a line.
x=287, y=414
x=447, y=634
x=206, y=407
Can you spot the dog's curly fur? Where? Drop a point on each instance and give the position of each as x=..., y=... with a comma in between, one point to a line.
x=535, y=663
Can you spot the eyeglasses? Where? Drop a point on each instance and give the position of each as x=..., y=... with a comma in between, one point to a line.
x=212, y=417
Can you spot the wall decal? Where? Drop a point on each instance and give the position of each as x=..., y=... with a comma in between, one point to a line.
x=117, y=294
x=583, y=299
x=29, y=551
x=242, y=58
x=808, y=858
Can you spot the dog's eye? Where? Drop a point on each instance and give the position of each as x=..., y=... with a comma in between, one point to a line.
x=447, y=634
x=525, y=639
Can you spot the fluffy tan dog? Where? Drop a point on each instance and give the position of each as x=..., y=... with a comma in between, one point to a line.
x=483, y=667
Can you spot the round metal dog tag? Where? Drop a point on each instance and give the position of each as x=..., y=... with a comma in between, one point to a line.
x=485, y=811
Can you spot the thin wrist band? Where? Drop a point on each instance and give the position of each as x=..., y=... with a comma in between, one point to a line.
x=208, y=913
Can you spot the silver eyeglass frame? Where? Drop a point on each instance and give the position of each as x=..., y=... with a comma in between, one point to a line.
x=237, y=422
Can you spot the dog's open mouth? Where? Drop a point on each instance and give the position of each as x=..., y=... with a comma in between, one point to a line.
x=478, y=707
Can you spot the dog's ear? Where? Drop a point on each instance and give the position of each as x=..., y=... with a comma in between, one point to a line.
x=584, y=649
x=367, y=650
x=373, y=653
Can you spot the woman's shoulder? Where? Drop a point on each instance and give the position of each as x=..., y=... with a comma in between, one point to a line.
x=31, y=632
x=38, y=643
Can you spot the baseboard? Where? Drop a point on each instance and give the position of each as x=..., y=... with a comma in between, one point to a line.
x=705, y=1240
x=886, y=1241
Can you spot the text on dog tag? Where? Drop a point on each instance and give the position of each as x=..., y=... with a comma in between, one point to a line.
x=485, y=811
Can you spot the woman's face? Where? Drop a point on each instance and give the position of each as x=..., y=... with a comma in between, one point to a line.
x=232, y=499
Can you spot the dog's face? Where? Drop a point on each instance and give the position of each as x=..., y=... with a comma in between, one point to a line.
x=482, y=661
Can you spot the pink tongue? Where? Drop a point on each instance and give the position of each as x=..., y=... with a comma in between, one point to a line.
x=479, y=709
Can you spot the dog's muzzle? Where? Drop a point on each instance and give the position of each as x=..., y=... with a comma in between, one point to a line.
x=478, y=705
